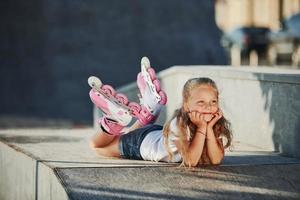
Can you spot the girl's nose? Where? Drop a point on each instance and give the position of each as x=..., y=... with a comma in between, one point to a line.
x=207, y=107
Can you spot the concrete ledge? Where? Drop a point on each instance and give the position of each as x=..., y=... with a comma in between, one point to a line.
x=30, y=158
x=24, y=177
x=58, y=164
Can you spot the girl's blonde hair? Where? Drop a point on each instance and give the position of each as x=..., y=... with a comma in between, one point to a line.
x=183, y=122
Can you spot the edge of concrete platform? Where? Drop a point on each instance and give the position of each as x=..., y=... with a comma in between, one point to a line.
x=44, y=164
x=247, y=73
x=49, y=184
x=261, y=73
x=27, y=177
x=28, y=173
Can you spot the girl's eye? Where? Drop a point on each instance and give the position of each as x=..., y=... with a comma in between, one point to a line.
x=214, y=102
x=200, y=102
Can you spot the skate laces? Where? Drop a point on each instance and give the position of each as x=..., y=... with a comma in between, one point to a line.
x=110, y=126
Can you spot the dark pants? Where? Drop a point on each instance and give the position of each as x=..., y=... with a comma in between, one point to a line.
x=130, y=143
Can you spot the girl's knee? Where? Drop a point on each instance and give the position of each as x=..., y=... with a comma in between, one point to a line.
x=92, y=144
x=108, y=150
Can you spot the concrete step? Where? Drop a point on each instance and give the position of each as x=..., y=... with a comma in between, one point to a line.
x=58, y=164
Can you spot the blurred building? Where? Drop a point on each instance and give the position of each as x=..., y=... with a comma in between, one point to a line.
x=50, y=48
x=265, y=13
x=260, y=32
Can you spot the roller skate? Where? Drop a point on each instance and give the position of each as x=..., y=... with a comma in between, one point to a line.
x=152, y=98
x=118, y=111
x=117, y=114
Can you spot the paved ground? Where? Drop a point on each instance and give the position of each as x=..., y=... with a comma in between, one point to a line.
x=248, y=172
x=238, y=182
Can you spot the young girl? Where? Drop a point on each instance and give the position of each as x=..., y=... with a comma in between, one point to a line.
x=193, y=136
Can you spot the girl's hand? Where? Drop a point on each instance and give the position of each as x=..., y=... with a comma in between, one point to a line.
x=198, y=119
x=218, y=115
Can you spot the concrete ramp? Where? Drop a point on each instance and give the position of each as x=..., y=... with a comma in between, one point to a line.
x=56, y=164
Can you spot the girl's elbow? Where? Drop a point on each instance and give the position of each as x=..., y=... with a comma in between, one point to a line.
x=192, y=163
x=217, y=162
x=195, y=164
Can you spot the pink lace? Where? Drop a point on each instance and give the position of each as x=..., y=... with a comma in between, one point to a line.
x=111, y=127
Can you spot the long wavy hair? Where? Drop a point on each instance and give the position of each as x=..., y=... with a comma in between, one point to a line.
x=183, y=122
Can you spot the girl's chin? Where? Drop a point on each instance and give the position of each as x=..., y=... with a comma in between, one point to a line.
x=208, y=117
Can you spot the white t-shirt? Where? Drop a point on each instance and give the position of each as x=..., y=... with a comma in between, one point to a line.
x=153, y=148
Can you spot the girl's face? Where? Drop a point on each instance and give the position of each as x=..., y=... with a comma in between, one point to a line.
x=203, y=99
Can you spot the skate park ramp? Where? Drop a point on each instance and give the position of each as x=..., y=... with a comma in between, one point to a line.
x=261, y=103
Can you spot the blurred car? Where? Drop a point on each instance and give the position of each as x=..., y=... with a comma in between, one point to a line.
x=285, y=43
x=247, y=39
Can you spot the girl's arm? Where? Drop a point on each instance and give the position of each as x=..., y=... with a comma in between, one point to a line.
x=215, y=150
x=195, y=147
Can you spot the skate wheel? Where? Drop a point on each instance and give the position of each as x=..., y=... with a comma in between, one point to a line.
x=156, y=83
x=163, y=97
x=134, y=107
x=145, y=62
x=152, y=74
x=94, y=81
x=122, y=98
x=108, y=90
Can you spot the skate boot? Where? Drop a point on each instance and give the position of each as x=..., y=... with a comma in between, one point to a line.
x=152, y=98
x=114, y=106
x=111, y=126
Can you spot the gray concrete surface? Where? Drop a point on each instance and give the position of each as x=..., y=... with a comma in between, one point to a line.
x=262, y=103
x=255, y=182
x=58, y=164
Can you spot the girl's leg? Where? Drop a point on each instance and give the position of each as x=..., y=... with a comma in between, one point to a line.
x=117, y=117
x=103, y=139
x=111, y=150
x=152, y=97
x=108, y=145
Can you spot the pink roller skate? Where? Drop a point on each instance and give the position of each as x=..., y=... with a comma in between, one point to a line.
x=152, y=98
x=115, y=106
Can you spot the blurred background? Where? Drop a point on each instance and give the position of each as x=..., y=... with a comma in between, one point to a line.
x=260, y=32
x=48, y=49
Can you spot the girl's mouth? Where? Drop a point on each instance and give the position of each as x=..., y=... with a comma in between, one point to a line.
x=207, y=113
